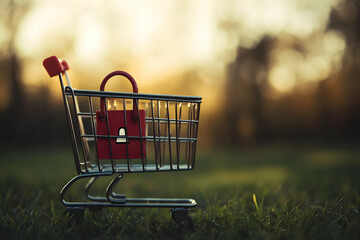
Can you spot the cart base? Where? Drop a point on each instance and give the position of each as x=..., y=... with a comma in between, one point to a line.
x=135, y=202
x=179, y=206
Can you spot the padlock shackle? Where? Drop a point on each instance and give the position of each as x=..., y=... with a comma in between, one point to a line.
x=102, y=87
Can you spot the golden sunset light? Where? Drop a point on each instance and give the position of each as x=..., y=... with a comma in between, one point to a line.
x=161, y=40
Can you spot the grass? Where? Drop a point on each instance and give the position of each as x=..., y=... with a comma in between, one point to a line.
x=265, y=193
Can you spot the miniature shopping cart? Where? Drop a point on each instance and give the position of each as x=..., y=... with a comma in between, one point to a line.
x=114, y=133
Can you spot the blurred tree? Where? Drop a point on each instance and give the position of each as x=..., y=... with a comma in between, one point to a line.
x=345, y=18
x=245, y=83
x=330, y=111
x=13, y=13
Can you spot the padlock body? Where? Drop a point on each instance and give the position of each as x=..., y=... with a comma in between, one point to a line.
x=108, y=131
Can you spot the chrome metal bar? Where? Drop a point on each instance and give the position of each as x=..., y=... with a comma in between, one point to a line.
x=159, y=131
x=80, y=125
x=94, y=132
x=73, y=180
x=127, y=137
x=67, y=79
x=110, y=193
x=109, y=139
x=188, y=149
x=177, y=136
x=140, y=134
x=169, y=132
x=71, y=127
x=153, y=124
x=147, y=138
x=129, y=203
x=84, y=114
x=164, y=120
x=180, y=123
x=196, y=133
x=137, y=96
x=87, y=191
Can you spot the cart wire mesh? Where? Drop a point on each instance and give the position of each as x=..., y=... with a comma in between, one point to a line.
x=171, y=129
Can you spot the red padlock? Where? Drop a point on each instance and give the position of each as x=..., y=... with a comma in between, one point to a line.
x=128, y=125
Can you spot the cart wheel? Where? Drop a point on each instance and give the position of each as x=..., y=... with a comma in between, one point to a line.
x=181, y=217
x=76, y=214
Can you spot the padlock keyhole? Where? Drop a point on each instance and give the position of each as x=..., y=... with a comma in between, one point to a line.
x=122, y=136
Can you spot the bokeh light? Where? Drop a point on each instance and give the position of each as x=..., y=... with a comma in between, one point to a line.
x=272, y=49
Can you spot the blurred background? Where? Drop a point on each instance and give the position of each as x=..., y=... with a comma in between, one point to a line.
x=269, y=71
x=279, y=118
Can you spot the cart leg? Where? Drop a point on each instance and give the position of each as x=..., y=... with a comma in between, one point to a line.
x=100, y=198
x=110, y=195
x=76, y=214
x=181, y=217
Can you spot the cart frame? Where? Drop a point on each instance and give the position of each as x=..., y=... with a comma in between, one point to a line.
x=81, y=152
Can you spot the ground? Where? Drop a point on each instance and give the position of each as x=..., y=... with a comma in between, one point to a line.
x=259, y=193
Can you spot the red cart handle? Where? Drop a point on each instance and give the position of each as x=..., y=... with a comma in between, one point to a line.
x=65, y=65
x=102, y=87
x=54, y=66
